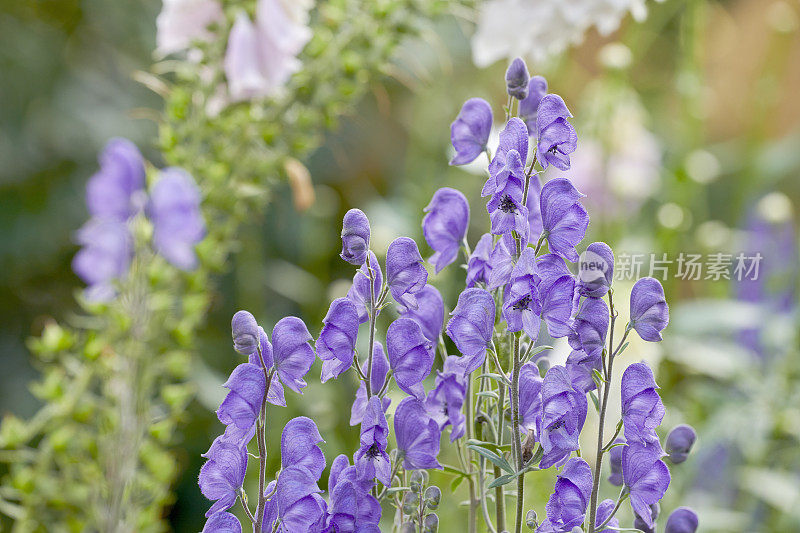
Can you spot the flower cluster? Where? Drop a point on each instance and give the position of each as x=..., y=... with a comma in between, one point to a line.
x=115, y=195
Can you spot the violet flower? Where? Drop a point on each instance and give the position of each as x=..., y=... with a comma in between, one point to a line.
x=507, y=212
x=178, y=224
x=222, y=474
x=292, y=353
x=534, y=208
x=116, y=191
x=445, y=401
x=337, y=341
x=352, y=507
x=243, y=403
x=472, y=325
x=517, y=78
x=244, y=330
x=300, y=446
x=181, y=22
x=429, y=313
x=537, y=88
x=380, y=367
x=106, y=253
x=679, y=443
x=300, y=505
x=445, y=225
x=222, y=522
x=563, y=217
x=514, y=137
x=646, y=478
x=615, y=462
x=404, y=271
x=479, y=266
x=371, y=459
x=521, y=305
x=355, y=237
x=604, y=510
x=417, y=435
x=642, y=409
x=682, y=520
x=595, y=270
x=470, y=131
x=502, y=264
x=566, y=507
x=649, y=309
x=530, y=398
x=410, y=356
x=563, y=415
x=590, y=327
x=557, y=303
x=557, y=137
x=580, y=366
x=359, y=292
x=275, y=395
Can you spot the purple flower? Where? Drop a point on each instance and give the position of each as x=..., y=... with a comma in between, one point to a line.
x=244, y=330
x=537, y=88
x=299, y=446
x=293, y=354
x=352, y=507
x=534, y=208
x=646, y=477
x=563, y=415
x=469, y=132
x=557, y=301
x=641, y=525
x=521, y=306
x=557, y=137
x=429, y=313
x=359, y=292
x=243, y=403
x=604, y=510
x=679, y=443
x=380, y=367
x=371, y=459
x=410, y=356
x=355, y=237
x=106, y=255
x=300, y=505
x=642, y=410
x=580, y=367
x=404, y=271
x=417, y=435
x=444, y=403
x=502, y=264
x=682, y=520
x=222, y=522
x=596, y=270
x=517, y=79
x=222, y=474
x=591, y=327
x=512, y=168
x=615, y=461
x=479, y=266
x=275, y=395
x=514, y=137
x=116, y=191
x=530, y=398
x=445, y=225
x=563, y=217
x=566, y=507
x=472, y=325
x=507, y=212
x=649, y=309
x=337, y=341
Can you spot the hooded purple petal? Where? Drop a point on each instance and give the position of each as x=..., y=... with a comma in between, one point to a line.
x=222, y=522
x=410, y=356
x=337, y=341
x=243, y=403
x=646, y=476
x=355, y=237
x=113, y=193
x=445, y=401
x=591, y=326
x=360, y=292
x=649, y=309
x=300, y=506
x=682, y=520
x=445, y=225
x=604, y=510
x=563, y=217
x=642, y=409
x=222, y=474
x=244, y=330
x=417, y=435
x=178, y=223
x=502, y=264
x=371, y=459
x=479, y=266
x=513, y=137
x=580, y=367
x=380, y=367
x=472, y=323
x=429, y=313
x=537, y=88
x=404, y=271
x=299, y=446
x=679, y=443
x=292, y=351
x=595, y=270
x=469, y=132
x=563, y=415
x=530, y=398
x=517, y=79
x=521, y=305
x=615, y=462
x=566, y=507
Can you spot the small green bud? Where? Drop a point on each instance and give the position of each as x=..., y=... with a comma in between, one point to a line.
x=432, y=497
x=431, y=523
x=531, y=519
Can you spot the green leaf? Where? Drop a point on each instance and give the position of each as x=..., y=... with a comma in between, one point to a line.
x=489, y=394
x=456, y=482
x=454, y=470
x=540, y=349
x=502, y=480
x=395, y=490
x=492, y=375
x=595, y=401
x=622, y=348
x=491, y=456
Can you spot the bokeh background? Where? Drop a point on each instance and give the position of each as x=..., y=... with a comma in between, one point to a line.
x=689, y=135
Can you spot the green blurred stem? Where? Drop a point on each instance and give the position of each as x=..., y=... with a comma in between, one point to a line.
x=515, y=433
x=473, y=503
x=261, y=437
x=499, y=491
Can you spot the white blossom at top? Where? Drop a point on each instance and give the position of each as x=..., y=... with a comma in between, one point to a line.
x=183, y=21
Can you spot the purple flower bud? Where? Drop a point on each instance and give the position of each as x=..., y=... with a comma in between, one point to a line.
x=410, y=356
x=300, y=505
x=292, y=352
x=649, y=309
x=105, y=256
x=521, y=306
x=513, y=137
x=679, y=443
x=595, y=270
x=469, y=132
x=557, y=137
x=563, y=415
x=222, y=522
x=615, y=461
x=646, y=476
x=590, y=326
x=417, y=435
x=445, y=225
x=479, y=266
x=682, y=520
x=472, y=325
x=530, y=398
x=580, y=367
x=355, y=237
x=640, y=524
x=371, y=459
x=222, y=474
x=604, y=510
x=517, y=79
x=642, y=409
x=178, y=223
x=337, y=341
x=444, y=404
x=380, y=367
x=243, y=403
x=299, y=446
x=359, y=292
x=566, y=507
x=537, y=88
x=114, y=192
x=563, y=217
x=429, y=313
x=244, y=330
x=404, y=271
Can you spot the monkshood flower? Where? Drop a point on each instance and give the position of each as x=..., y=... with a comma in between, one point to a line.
x=289, y=353
x=640, y=524
x=410, y=356
x=590, y=327
x=300, y=446
x=417, y=435
x=116, y=191
x=563, y=415
x=604, y=510
x=530, y=398
x=534, y=207
x=563, y=217
x=300, y=505
x=223, y=474
x=557, y=137
x=502, y=264
x=566, y=507
x=507, y=211
x=470, y=131
x=479, y=266
x=557, y=302
x=178, y=224
x=243, y=403
x=471, y=325
x=649, y=309
x=275, y=395
x=105, y=256
x=580, y=366
x=380, y=367
x=679, y=443
x=444, y=403
x=245, y=332
x=646, y=477
x=682, y=520
x=222, y=522
x=445, y=225
x=352, y=507
x=513, y=138
x=537, y=88
x=517, y=78
x=405, y=274
x=336, y=344
x=429, y=313
x=521, y=306
x=615, y=461
x=642, y=409
x=181, y=22
x=371, y=459
x=595, y=270
x=355, y=237
x=360, y=292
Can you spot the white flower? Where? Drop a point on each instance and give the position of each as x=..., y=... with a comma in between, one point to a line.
x=183, y=21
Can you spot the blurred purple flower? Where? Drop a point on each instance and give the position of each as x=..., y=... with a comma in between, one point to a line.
x=615, y=462
x=445, y=401
x=371, y=459
x=471, y=325
x=680, y=442
x=337, y=341
x=563, y=415
x=359, y=292
x=106, y=253
x=682, y=520
x=410, y=356
x=469, y=132
x=181, y=22
x=429, y=313
x=445, y=225
x=116, y=191
x=566, y=507
x=564, y=219
x=604, y=510
x=517, y=79
x=642, y=409
x=537, y=88
x=417, y=435
x=557, y=137
x=649, y=309
x=646, y=477
x=479, y=266
x=405, y=274
x=380, y=367
x=355, y=237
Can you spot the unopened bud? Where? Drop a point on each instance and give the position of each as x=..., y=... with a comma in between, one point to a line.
x=244, y=330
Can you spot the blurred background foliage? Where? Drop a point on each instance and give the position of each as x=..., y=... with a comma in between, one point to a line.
x=689, y=128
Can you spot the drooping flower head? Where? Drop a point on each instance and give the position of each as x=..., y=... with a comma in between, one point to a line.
x=417, y=435
x=649, y=309
x=355, y=237
x=115, y=192
x=522, y=306
x=557, y=137
x=563, y=217
x=595, y=270
x=479, y=266
x=642, y=409
x=514, y=137
x=222, y=474
x=537, y=88
x=337, y=341
x=404, y=271
x=581, y=366
x=265, y=359
x=604, y=510
x=563, y=415
x=410, y=356
x=445, y=401
x=300, y=446
x=502, y=264
x=679, y=443
x=507, y=211
x=590, y=327
x=105, y=256
x=380, y=367
x=371, y=459
x=530, y=398
x=517, y=78
x=300, y=504
x=566, y=507
x=646, y=477
x=429, y=313
x=469, y=132
x=244, y=330
x=352, y=507
x=222, y=522
x=242, y=405
x=445, y=225
x=292, y=353
x=682, y=520
x=471, y=325
x=556, y=287
x=360, y=292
